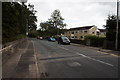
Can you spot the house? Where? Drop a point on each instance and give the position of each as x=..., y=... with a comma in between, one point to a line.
x=81, y=32
x=102, y=32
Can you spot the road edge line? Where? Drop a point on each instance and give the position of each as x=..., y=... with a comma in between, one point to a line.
x=112, y=54
x=95, y=59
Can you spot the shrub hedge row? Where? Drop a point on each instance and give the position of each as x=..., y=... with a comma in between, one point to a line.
x=95, y=40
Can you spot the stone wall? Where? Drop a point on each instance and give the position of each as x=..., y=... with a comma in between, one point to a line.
x=11, y=48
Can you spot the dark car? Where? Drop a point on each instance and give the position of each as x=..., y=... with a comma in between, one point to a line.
x=63, y=40
x=51, y=39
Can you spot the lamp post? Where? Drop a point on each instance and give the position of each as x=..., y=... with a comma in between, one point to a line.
x=116, y=43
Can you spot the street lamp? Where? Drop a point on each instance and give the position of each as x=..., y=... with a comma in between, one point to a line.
x=116, y=43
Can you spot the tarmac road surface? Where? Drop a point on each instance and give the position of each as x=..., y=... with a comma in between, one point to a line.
x=44, y=59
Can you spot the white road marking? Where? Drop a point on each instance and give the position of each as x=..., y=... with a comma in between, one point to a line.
x=81, y=55
x=36, y=62
x=63, y=48
x=101, y=61
x=74, y=64
x=95, y=59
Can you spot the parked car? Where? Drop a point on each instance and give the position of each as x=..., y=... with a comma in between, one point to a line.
x=38, y=37
x=41, y=38
x=63, y=40
x=51, y=39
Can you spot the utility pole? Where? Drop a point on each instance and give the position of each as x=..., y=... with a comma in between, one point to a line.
x=116, y=43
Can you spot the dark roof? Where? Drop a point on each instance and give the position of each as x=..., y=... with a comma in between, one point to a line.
x=102, y=30
x=81, y=28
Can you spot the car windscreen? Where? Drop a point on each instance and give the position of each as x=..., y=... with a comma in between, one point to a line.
x=65, y=39
x=52, y=38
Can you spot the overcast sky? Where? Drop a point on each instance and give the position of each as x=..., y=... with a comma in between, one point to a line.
x=77, y=13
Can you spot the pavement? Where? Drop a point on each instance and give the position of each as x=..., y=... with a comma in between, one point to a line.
x=21, y=64
x=111, y=52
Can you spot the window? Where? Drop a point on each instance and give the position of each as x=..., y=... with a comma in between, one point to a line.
x=85, y=31
x=76, y=32
x=75, y=36
x=98, y=33
x=81, y=37
x=105, y=34
x=72, y=36
x=93, y=32
x=72, y=32
x=81, y=31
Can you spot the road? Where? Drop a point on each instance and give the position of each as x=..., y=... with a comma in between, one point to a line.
x=44, y=59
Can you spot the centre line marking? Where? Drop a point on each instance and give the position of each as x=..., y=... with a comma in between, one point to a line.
x=95, y=59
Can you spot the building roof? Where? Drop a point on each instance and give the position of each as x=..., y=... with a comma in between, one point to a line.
x=102, y=30
x=81, y=28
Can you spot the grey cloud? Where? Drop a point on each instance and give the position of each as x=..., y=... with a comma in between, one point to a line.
x=76, y=13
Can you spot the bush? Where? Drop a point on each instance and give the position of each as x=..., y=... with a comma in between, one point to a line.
x=95, y=40
x=77, y=41
x=56, y=37
x=33, y=33
x=21, y=36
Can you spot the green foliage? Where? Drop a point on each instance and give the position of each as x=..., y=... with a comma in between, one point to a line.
x=56, y=19
x=53, y=26
x=95, y=40
x=111, y=24
x=111, y=28
x=21, y=36
x=33, y=33
x=56, y=37
x=16, y=17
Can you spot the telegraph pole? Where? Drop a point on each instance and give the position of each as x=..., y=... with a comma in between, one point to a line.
x=116, y=43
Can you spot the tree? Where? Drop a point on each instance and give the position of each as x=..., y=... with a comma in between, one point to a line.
x=47, y=29
x=16, y=17
x=111, y=27
x=32, y=18
x=54, y=25
x=57, y=20
x=44, y=26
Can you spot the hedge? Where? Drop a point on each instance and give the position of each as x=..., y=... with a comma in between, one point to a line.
x=95, y=40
